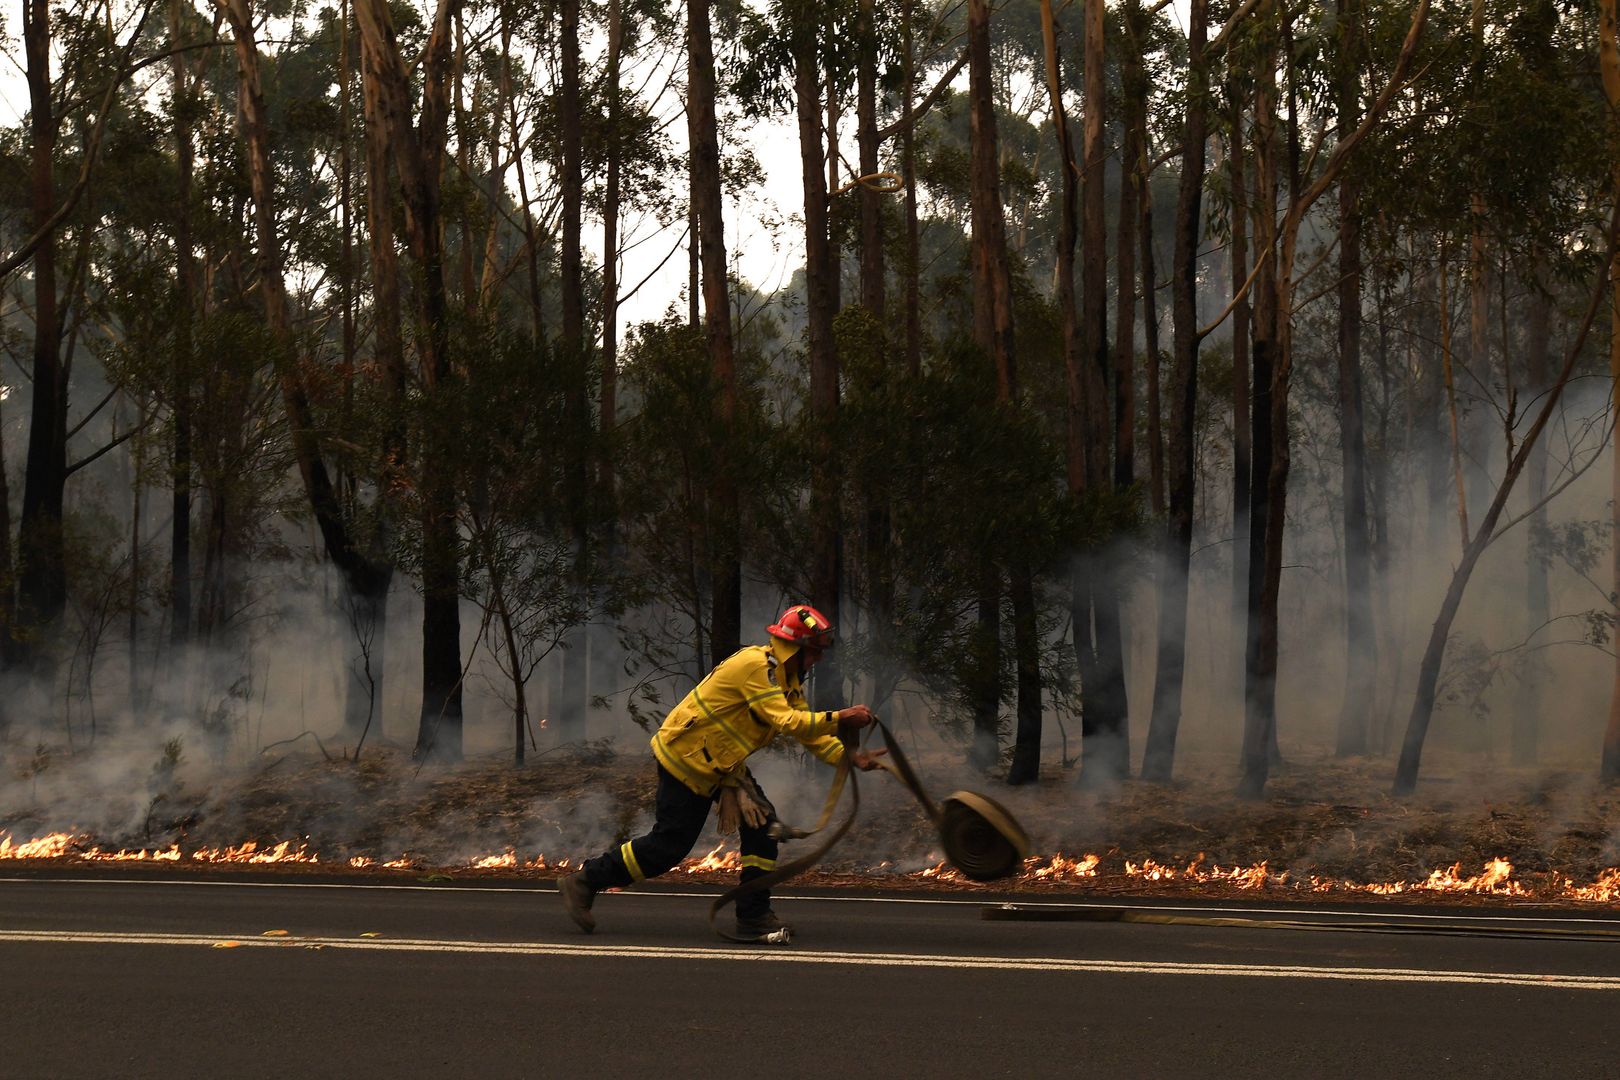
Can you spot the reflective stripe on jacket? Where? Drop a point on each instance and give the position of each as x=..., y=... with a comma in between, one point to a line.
x=739, y=708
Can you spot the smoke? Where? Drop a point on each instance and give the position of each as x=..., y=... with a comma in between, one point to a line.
x=231, y=739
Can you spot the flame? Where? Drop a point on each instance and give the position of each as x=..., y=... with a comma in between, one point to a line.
x=1606, y=889
x=1257, y=876
x=713, y=861
x=363, y=862
x=54, y=846
x=250, y=852
x=1495, y=878
x=63, y=845
x=168, y=854
x=1061, y=868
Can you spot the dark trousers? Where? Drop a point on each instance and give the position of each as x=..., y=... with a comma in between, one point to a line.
x=679, y=814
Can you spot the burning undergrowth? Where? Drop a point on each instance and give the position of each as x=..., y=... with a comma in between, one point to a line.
x=1543, y=836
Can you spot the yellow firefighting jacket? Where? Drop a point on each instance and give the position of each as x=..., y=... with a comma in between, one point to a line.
x=739, y=708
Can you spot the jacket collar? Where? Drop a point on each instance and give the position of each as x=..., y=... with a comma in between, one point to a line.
x=782, y=650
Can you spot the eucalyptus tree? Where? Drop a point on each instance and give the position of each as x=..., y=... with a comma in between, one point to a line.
x=1609, y=62
x=703, y=142
x=1259, y=733
x=1181, y=474
x=1463, y=142
x=97, y=64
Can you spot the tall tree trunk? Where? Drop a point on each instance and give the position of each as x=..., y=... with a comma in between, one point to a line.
x=1475, y=434
x=1158, y=761
x=1242, y=429
x=491, y=278
x=367, y=602
x=41, y=567
x=1075, y=364
x=346, y=480
x=993, y=293
x=1259, y=744
x=366, y=618
x=1026, y=760
x=1094, y=602
x=820, y=270
x=609, y=407
x=879, y=572
x=569, y=704
x=835, y=254
x=1260, y=729
x=1379, y=471
x=1068, y=235
x=1609, y=61
x=605, y=651
x=185, y=304
x=417, y=152
x=1132, y=181
x=694, y=252
x=1276, y=480
x=1094, y=256
x=1448, y=379
x=1537, y=601
x=8, y=595
x=908, y=155
x=725, y=624
x=993, y=332
x=466, y=142
x=1361, y=660
x=531, y=237
x=872, y=291
x=137, y=511
x=362, y=576
x=1150, y=338
x=1259, y=653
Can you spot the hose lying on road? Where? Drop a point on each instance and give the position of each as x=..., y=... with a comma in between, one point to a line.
x=981, y=839
x=1012, y=912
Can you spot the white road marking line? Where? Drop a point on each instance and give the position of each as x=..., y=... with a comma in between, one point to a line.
x=998, y=898
x=857, y=959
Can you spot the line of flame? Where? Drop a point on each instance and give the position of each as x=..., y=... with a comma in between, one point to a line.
x=1496, y=877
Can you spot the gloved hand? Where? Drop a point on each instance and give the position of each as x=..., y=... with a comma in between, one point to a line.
x=730, y=811
x=866, y=760
x=754, y=813
x=856, y=716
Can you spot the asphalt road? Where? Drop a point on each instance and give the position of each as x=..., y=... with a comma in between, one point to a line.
x=133, y=977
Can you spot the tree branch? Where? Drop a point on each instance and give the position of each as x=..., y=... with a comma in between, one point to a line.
x=102, y=404
x=117, y=442
x=1232, y=304
x=1226, y=30
x=92, y=152
x=928, y=100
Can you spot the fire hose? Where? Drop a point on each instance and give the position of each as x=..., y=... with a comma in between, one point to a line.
x=980, y=838
x=1013, y=912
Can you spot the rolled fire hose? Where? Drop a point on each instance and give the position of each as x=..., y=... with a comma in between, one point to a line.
x=980, y=838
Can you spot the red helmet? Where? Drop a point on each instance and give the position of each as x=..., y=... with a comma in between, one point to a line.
x=802, y=624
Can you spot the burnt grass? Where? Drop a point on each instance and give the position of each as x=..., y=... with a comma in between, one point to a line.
x=1329, y=818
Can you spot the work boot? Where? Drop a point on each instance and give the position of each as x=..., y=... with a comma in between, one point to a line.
x=577, y=895
x=764, y=927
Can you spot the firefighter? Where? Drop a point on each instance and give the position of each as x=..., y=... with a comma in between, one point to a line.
x=701, y=754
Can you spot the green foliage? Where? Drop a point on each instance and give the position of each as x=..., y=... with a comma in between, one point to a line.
x=968, y=480
x=562, y=523
x=1512, y=125
x=673, y=455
